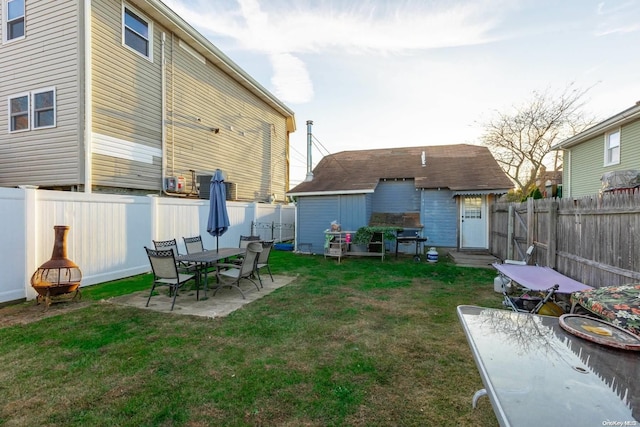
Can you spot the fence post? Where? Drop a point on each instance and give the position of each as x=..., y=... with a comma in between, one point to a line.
x=510, y=231
x=153, y=218
x=31, y=202
x=552, y=238
x=530, y=221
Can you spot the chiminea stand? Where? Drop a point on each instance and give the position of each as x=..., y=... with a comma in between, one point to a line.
x=47, y=295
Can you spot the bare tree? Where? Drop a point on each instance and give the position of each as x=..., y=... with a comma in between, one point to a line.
x=521, y=140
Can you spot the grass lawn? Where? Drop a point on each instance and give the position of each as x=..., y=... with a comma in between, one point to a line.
x=360, y=343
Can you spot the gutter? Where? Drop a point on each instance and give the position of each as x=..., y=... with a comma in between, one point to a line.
x=614, y=121
x=480, y=192
x=330, y=193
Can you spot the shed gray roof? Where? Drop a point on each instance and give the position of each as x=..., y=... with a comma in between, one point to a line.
x=462, y=167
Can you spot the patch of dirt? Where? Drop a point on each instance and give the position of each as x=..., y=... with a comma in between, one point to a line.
x=27, y=312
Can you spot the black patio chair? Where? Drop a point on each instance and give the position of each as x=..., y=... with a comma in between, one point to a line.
x=172, y=244
x=244, y=241
x=193, y=244
x=165, y=273
x=263, y=259
x=236, y=272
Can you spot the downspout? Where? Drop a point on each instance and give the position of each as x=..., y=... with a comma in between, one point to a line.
x=173, y=105
x=569, y=173
x=163, y=120
x=272, y=167
x=88, y=105
x=163, y=132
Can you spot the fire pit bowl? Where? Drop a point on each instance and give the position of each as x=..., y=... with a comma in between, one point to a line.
x=59, y=276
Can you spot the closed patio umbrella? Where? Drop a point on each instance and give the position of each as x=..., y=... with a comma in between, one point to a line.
x=218, y=222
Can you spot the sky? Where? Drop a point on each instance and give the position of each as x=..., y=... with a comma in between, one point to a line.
x=399, y=73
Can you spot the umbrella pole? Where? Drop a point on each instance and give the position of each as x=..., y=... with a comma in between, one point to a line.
x=217, y=244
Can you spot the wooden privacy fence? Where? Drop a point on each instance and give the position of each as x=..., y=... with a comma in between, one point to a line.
x=595, y=240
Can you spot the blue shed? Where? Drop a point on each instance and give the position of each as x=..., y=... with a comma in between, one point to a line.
x=447, y=190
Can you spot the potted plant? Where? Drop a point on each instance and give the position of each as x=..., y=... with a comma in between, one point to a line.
x=365, y=234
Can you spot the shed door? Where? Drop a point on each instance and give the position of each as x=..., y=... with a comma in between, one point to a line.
x=473, y=222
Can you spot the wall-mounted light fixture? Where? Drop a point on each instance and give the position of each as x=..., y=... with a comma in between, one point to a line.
x=215, y=130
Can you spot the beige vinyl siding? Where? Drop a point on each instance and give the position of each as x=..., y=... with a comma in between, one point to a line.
x=251, y=144
x=127, y=100
x=49, y=57
x=587, y=160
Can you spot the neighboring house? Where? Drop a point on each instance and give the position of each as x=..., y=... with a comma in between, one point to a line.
x=610, y=146
x=548, y=183
x=125, y=96
x=449, y=186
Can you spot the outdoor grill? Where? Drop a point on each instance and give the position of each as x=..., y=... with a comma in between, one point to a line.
x=58, y=276
x=408, y=228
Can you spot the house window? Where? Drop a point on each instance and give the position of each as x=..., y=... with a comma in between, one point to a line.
x=44, y=109
x=612, y=148
x=32, y=110
x=12, y=19
x=137, y=32
x=19, y=113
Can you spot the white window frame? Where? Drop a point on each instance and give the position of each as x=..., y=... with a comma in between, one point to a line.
x=148, y=38
x=52, y=108
x=6, y=22
x=31, y=113
x=10, y=115
x=612, y=147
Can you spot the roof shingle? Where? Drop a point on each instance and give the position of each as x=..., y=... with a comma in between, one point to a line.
x=461, y=167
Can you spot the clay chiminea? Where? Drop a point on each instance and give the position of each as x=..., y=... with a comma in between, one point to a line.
x=59, y=275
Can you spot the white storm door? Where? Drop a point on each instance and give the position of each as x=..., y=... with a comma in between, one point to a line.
x=473, y=222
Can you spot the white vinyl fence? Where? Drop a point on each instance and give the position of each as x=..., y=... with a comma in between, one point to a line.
x=108, y=232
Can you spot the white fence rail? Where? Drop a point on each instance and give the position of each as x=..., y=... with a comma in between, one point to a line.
x=108, y=232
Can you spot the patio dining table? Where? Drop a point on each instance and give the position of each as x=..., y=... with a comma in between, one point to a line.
x=207, y=258
x=527, y=362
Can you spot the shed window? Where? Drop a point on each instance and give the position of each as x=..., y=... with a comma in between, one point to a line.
x=612, y=148
x=12, y=19
x=137, y=32
x=473, y=207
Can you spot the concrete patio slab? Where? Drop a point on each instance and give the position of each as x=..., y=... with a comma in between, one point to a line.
x=225, y=301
